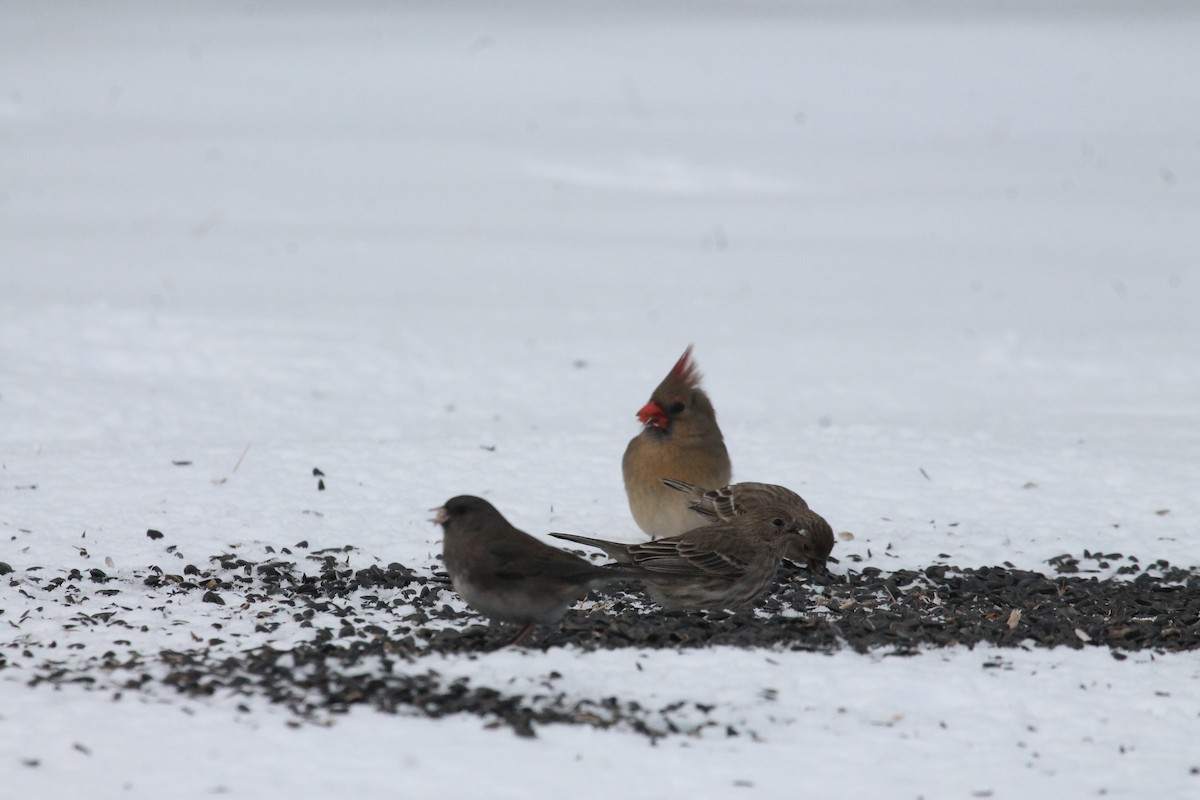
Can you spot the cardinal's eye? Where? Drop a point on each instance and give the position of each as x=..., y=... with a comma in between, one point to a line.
x=677, y=408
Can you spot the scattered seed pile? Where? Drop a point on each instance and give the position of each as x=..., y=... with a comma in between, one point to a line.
x=318, y=636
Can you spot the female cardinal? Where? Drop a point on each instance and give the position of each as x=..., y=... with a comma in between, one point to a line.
x=679, y=439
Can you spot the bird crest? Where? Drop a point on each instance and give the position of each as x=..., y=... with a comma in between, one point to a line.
x=684, y=373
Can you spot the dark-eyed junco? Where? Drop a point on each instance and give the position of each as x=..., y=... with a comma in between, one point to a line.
x=508, y=575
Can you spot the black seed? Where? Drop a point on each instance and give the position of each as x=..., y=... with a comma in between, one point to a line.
x=364, y=625
x=153, y=534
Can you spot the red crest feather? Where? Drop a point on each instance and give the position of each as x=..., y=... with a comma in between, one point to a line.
x=685, y=370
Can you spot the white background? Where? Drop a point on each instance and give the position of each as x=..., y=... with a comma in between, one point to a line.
x=444, y=248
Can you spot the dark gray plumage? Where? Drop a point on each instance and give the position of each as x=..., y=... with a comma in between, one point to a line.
x=508, y=575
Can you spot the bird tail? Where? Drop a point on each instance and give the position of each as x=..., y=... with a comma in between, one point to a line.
x=619, y=572
x=612, y=549
x=679, y=486
x=574, y=537
x=608, y=572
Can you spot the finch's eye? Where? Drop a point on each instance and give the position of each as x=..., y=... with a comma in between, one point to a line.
x=677, y=408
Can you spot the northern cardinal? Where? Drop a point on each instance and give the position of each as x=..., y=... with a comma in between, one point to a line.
x=508, y=575
x=679, y=439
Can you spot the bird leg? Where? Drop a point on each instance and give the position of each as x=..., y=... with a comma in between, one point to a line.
x=521, y=635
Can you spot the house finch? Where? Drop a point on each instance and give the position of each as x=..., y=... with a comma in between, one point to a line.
x=506, y=574
x=679, y=439
x=730, y=502
x=723, y=565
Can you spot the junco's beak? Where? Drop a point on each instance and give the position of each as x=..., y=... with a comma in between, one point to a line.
x=439, y=516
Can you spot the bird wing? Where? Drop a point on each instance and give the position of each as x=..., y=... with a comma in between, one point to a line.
x=519, y=560
x=729, y=502
x=679, y=556
x=716, y=504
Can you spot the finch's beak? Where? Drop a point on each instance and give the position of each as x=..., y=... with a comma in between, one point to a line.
x=439, y=516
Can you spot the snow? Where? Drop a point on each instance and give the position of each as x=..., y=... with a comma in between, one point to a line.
x=940, y=263
x=1051, y=723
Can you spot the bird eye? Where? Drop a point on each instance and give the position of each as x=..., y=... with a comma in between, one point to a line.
x=677, y=408
x=777, y=522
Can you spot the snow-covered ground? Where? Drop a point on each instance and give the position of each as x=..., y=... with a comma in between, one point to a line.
x=940, y=261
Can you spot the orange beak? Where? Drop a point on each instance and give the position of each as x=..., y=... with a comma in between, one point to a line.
x=652, y=414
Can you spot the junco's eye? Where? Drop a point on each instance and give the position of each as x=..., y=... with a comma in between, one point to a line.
x=777, y=522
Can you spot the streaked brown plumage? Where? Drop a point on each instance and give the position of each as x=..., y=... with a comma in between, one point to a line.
x=735, y=500
x=723, y=565
x=679, y=439
x=508, y=575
